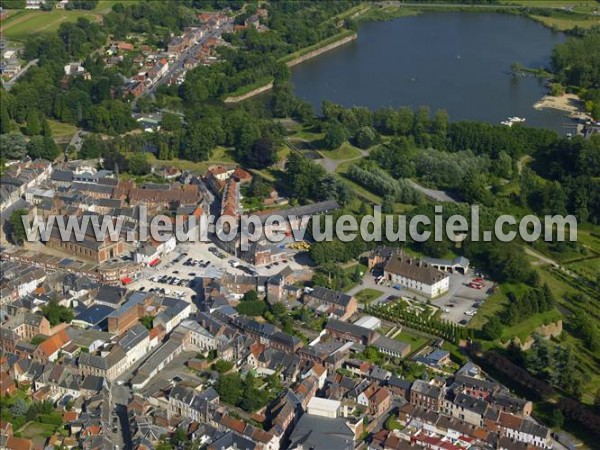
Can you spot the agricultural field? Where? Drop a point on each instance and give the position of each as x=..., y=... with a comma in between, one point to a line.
x=25, y=24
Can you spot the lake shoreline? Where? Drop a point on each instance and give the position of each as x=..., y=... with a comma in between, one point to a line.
x=569, y=103
x=319, y=49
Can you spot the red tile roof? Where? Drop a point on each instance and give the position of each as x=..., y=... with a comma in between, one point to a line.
x=233, y=424
x=510, y=421
x=70, y=416
x=15, y=443
x=54, y=343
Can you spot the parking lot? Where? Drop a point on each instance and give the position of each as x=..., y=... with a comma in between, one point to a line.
x=461, y=298
x=177, y=273
x=454, y=305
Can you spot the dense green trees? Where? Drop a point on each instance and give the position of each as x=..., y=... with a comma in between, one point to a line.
x=16, y=227
x=556, y=365
x=81, y=4
x=13, y=146
x=42, y=147
x=263, y=153
x=366, y=137
x=56, y=313
x=531, y=302
x=251, y=305
x=492, y=329
x=575, y=166
x=306, y=180
x=577, y=61
x=335, y=134
x=154, y=19
x=587, y=328
x=244, y=393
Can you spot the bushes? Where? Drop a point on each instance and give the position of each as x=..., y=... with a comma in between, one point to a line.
x=381, y=183
x=252, y=308
x=492, y=330
x=587, y=329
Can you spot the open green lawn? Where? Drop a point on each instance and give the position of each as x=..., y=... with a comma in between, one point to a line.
x=565, y=22
x=416, y=342
x=307, y=135
x=62, y=131
x=29, y=23
x=494, y=304
x=367, y=295
x=579, y=13
x=526, y=328
x=34, y=430
x=344, y=152
x=577, y=5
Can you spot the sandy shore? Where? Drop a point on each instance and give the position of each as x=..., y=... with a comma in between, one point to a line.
x=568, y=102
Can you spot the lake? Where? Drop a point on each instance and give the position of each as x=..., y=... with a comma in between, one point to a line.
x=457, y=61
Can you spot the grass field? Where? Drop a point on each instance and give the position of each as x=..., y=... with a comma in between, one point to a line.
x=36, y=429
x=494, y=304
x=416, y=342
x=23, y=24
x=578, y=5
x=30, y=23
x=62, y=131
x=344, y=152
x=565, y=22
x=567, y=14
x=524, y=329
x=367, y=295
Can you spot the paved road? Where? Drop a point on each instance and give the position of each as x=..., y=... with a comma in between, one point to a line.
x=77, y=140
x=9, y=84
x=540, y=257
x=433, y=194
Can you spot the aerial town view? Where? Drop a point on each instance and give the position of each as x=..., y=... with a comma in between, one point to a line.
x=300, y=224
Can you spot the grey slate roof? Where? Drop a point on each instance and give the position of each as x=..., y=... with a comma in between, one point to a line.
x=331, y=296
x=321, y=433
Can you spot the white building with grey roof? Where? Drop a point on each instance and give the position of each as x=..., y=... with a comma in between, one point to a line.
x=416, y=275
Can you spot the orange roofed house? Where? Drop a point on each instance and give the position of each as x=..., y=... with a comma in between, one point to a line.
x=49, y=349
